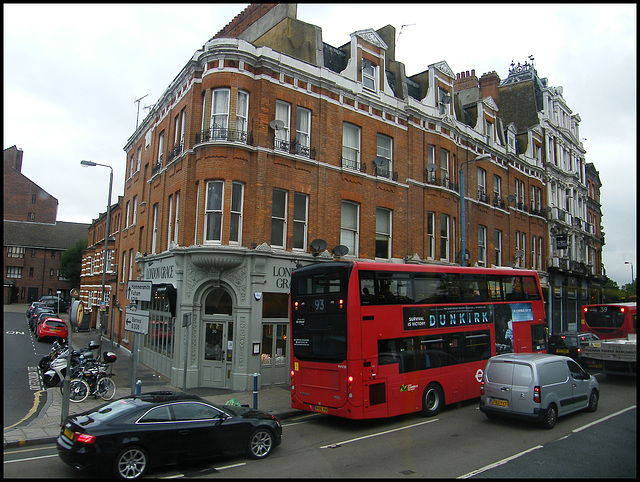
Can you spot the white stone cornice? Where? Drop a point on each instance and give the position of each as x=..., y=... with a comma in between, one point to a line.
x=371, y=36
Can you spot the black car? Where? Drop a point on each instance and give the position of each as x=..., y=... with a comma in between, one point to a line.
x=131, y=434
x=33, y=306
x=33, y=319
x=55, y=302
x=570, y=343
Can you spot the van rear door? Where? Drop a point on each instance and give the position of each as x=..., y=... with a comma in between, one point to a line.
x=497, y=387
x=522, y=389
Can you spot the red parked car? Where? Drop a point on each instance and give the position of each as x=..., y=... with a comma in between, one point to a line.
x=52, y=328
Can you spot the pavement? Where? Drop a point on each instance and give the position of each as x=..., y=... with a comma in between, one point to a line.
x=43, y=425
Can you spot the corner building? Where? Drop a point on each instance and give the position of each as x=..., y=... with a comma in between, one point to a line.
x=269, y=139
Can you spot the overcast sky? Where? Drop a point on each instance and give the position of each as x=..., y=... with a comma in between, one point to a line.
x=72, y=74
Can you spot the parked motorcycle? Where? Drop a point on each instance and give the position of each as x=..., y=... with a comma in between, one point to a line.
x=58, y=367
x=56, y=349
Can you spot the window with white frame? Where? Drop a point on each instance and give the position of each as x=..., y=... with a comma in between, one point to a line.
x=383, y=233
x=300, y=220
x=242, y=115
x=160, y=148
x=154, y=229
x=213, y=212
x=127, y=211
x=176, y=132
x=369, y=74
x=176, y=219
x=109, y=260
x=349, y=225
x=135, y=209
x=283, y=113
x=92, y=264
x=444, y=166
x=482, y=245
x=131, y=165
x=534, y=254
x=497, y=188
x=431, y=163
x=443, y=100
x=540, y=253
x=15, y=252
x=517, y=263
x=131, y=261
x=523, y=250
x=431, y=235
x=170, y=219
x=384, y=167
x=489, y=131
x=123, y=274
x=444, y=237
x=303, y=131
x=183, y=122
x=350, y=146
x=14, y=272
x=139, y=158
x=219, y=114
x=279, y=218
x=497, y=246
x=482, y=184
x=237, y=205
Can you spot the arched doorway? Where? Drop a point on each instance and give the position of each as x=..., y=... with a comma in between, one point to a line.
x=216, y=339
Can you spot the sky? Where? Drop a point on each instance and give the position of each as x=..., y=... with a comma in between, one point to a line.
x=73, y=73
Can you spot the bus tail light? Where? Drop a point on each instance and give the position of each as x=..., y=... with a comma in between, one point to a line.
x=341, y=302
x=350, y=386
x=536, y=394
x=482, y=387
x=295, y=305
x=293, y=385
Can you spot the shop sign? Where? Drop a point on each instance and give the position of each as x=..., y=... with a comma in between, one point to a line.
x=161, y=271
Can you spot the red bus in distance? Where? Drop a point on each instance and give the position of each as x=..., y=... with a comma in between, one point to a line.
x=609, y=321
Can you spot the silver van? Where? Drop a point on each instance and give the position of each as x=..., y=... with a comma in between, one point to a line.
x=538, y=387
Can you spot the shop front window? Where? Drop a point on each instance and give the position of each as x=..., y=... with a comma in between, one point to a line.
x=274, y=344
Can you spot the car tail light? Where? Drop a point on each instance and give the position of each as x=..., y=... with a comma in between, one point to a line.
x=536, y=394
x=579, y=349
x=85, y=438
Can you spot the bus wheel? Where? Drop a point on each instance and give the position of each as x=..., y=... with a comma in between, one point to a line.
x=432, y=400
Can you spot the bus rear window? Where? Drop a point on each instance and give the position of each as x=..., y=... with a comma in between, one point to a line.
x=320, y=283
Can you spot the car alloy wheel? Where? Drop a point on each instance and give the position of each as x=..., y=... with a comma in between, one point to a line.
x=131, y=463
x=260, y=443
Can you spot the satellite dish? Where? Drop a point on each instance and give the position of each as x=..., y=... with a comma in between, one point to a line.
x=340, y=250
x=276, y=124
x=431, y=167
x=318, y=245
x=511, y=198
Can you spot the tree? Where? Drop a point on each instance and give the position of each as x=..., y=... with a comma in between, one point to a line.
x=71, y=263
x=611, y=291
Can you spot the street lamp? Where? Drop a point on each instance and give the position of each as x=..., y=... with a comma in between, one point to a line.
x=629, y=262
x=106, y=239
x=463, y=249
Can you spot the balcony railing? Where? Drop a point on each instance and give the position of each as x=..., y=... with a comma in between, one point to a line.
x=432, y=178
x=294, y=147
x=482, y=197
x=175, y=152
x=219, y=134
x=498, y=201
x=380, y=172
x=352, y=164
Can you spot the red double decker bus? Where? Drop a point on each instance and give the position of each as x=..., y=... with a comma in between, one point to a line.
x=608, y=321
x=371, y=340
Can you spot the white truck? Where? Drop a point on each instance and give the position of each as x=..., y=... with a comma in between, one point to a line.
x=613, y=357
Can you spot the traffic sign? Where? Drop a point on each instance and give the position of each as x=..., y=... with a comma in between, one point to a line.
x=136, y=321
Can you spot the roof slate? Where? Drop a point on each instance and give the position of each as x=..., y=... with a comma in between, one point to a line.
x=61, y=235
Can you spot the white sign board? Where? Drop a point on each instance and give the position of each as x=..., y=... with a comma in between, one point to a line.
x=139, y=290
x=136, y=321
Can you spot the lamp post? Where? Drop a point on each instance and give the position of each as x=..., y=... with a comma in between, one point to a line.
x=463, y=248
x=106, y=240
x=629, y=262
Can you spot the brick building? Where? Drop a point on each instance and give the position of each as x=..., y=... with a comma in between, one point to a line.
x=33, y=240
x=269, y=139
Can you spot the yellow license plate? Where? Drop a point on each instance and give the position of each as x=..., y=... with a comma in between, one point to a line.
x=562, y=350
x=68, y=433
x=500, y=403
x=318, y=408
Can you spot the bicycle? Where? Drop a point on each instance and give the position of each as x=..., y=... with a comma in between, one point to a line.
x=92, y=381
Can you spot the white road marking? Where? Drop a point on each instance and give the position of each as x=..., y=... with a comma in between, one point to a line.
x=338, y=444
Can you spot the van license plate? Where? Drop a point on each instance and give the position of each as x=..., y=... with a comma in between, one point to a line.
x=500, y=403
x=318, y=408
x=562, y=350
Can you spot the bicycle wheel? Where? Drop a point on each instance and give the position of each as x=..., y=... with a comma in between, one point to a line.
x=78, y=390
x=106, y=388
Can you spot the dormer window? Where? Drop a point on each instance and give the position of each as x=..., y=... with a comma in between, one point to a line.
x=368, y=75
x=443, y=100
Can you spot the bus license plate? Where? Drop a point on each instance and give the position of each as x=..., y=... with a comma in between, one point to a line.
x=318, y=408
x=500, y=403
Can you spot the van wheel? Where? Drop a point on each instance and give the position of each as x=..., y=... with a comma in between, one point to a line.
x=593, y=401
x=432, y=400
x=550, y=417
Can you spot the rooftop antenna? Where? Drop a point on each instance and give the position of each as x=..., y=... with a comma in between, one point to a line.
x=401, y=27
x=138, y=102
